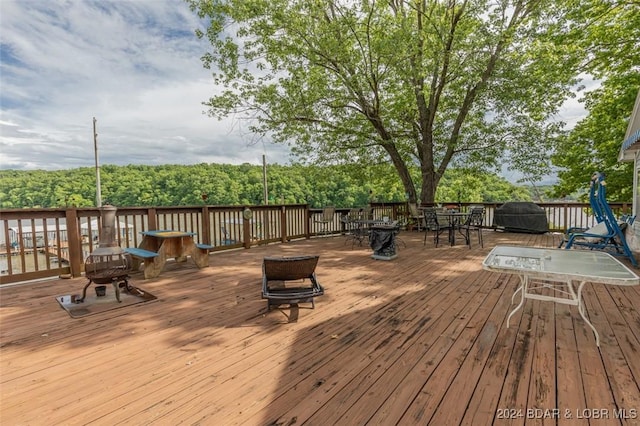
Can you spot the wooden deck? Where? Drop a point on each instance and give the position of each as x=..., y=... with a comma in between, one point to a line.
x=418, y=340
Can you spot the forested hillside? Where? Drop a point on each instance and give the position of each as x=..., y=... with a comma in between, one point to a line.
x=223, y=184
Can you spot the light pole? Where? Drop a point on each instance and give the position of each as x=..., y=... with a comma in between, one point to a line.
x=264, y=180
x=95, y=149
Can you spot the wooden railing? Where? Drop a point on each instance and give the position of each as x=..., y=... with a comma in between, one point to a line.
x=42, y=243
x=562, y=216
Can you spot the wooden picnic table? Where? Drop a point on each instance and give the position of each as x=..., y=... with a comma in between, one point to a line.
x=158, y=246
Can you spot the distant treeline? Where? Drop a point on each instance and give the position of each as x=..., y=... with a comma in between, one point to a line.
x=224, y=184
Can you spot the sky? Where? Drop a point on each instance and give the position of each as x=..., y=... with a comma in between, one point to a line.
x=134, y=66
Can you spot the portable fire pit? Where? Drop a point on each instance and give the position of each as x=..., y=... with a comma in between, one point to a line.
x=108, y=263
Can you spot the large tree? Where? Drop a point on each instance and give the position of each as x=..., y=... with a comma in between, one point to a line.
x=608, y=32
x=427, y=83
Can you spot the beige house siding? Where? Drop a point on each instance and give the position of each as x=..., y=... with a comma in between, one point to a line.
x=630, y=151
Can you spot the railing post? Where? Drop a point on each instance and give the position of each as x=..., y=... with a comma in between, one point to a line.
x=206, y=226
x=74, y=242
x=152, y=217
x=307, y=222
x=246, y=231
x=283, y=223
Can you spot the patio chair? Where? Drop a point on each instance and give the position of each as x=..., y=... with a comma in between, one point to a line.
x=351, y=218
x=327, y=218
x=431, y=224
x=277, y=271
x=473, y=223
x=416, y=215
x=352, y=227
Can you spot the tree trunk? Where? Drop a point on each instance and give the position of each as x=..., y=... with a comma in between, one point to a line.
x=403, y=172
x=429, y=185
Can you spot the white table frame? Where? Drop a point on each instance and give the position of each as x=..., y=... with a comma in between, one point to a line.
x=554, y=268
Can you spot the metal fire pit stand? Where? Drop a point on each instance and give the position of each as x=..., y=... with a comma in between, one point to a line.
x=108, y=263
x=108, y=269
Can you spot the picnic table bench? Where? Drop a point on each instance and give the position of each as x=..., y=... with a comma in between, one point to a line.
x=141, y=253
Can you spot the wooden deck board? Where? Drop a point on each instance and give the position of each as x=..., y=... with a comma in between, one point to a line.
x=386, y=376
x=571, y=395
x=487, y=347
x=487, y=391
x=418, y=340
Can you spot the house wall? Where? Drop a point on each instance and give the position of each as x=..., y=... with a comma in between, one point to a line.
x=632, y=234
x=632, y=153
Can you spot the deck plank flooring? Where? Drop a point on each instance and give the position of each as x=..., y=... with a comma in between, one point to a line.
x=418, y=340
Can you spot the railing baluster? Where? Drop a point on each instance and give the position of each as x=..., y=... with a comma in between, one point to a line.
x=270, y=223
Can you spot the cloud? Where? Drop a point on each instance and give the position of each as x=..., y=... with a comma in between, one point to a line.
x=134, y=65
x=573, y=109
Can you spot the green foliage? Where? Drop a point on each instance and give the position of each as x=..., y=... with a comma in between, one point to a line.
x=430, y=84
x=594, y=144
x=609, y=34
x=223, y=184
x=471, y=187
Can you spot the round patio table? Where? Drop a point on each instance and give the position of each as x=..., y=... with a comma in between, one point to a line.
x=454, y=220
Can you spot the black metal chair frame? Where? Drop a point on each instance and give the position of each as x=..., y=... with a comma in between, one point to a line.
x=474, y=222
x=352, y=228
x=277, y=271
x=431, y=223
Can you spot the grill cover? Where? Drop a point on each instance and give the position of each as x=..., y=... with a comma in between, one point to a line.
x=521, y=217
x=383, y=241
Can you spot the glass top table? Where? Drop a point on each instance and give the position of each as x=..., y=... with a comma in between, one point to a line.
x=547, y=268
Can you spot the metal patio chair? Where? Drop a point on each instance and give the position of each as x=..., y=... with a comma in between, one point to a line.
x=473, y=223
x=431, y=224
x=416, y=215
x=326, y=219
x=279, y=272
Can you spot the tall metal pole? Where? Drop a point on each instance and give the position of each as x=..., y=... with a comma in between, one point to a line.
x=264, y=180
x=95, y=149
